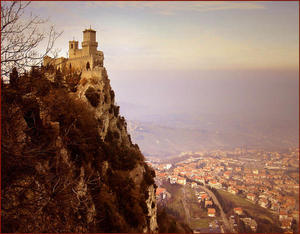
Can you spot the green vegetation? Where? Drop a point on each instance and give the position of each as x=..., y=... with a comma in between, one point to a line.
x=202, y=222
x=175, y=206
x=267, y=222
x=197, y=214
x=247, y=206
x=199, y=218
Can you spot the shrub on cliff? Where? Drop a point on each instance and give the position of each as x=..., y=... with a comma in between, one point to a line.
x=72, y=81
x=92, y=96
x=42, y=87
x=112, y=95
x=122, y=158
x=60, y=137
x=116, y=110
x=168, y=224
x=149, y=175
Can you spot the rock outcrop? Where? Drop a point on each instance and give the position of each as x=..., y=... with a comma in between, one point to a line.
x=68, y=163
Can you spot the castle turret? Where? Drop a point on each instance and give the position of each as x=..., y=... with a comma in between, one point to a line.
x=88, y=56
x=89, y=44
x=73, y=48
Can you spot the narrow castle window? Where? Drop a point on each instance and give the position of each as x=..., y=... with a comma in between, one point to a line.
x=71, y=46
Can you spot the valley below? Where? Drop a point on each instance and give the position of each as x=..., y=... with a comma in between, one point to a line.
x=173, y=136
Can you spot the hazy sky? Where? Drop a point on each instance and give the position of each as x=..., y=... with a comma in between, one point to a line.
x=233, y=58
x=183, y=35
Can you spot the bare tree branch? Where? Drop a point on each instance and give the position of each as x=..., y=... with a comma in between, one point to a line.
x=21, y=37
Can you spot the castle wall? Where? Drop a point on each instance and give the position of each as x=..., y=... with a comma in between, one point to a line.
x=79, y=62
x=78, y=58
x=99, y=72
x=58, y=62
x=75, y=53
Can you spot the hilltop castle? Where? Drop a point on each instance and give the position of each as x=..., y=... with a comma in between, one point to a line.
x=86, y=58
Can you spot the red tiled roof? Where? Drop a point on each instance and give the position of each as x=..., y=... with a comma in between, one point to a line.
x=238, y=209
x=160, y=190
x=211, y=211
x=282, y=212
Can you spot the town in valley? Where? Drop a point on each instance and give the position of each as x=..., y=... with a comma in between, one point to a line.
x=239, y=190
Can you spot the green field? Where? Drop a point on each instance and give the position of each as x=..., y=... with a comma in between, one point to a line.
x=252, y=209
x=197, y=216
x=174, y=205
x=200, y=222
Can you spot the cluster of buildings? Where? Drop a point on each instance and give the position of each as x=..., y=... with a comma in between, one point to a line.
x=264, y=178
x=162, y=195
x=206, y=201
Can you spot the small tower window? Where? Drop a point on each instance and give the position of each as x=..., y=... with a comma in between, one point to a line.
x=71, y=46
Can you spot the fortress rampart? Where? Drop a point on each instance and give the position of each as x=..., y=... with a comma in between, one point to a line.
x=86, y=58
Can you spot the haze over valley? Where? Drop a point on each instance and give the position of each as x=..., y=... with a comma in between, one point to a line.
x=171, y=114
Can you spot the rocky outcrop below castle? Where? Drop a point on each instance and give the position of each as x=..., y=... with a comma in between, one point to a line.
x=68, y=163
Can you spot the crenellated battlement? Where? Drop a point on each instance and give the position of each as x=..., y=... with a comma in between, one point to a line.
x=86, y=58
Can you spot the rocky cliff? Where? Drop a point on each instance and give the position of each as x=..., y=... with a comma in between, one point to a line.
x=68, y=163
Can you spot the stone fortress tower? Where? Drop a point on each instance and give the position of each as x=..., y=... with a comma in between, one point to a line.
x=80, y=59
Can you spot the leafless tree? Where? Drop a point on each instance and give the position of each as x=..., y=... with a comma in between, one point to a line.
x=22, y=37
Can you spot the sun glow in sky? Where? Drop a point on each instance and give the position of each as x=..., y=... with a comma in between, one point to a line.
x=177, y=36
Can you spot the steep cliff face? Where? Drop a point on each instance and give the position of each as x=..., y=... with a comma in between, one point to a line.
x=68, y=163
